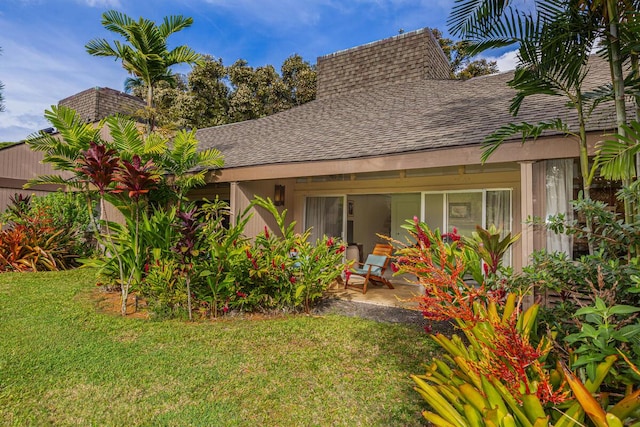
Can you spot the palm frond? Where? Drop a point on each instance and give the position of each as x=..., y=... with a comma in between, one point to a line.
x=210, y=159
x=467, y=15
x=155, y=144
x=55, y=180
x=527, y=131
x=182, y=55
x=127, y=138
x=172, y=24
x=101, y=47
x=616, y=157
x=74, y=135
x=117, y=22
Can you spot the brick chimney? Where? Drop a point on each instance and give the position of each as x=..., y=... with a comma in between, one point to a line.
x=407, y=57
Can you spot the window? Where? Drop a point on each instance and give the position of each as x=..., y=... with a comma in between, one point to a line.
x=463, y=210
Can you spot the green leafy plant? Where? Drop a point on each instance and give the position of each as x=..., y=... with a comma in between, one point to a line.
x=606, y=331
x=224, y=268
x=288, y=270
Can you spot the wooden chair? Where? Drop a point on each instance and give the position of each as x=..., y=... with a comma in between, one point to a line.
x=373, y=268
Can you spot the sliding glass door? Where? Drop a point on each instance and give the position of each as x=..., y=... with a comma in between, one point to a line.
x=463, y=210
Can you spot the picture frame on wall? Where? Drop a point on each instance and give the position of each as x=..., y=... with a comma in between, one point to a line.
x=460, y=210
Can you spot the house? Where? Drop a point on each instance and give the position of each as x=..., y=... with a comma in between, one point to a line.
x=391, y=136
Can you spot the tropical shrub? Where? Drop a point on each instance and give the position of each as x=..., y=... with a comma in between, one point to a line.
x=35, y=239
x=125, y=172
x=217, y=270
x=503, y=372
x=598, y=295
x=287, y=270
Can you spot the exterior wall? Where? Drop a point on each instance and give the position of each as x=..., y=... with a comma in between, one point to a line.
x=403, y=58
x=18, y=164
x=240, y=196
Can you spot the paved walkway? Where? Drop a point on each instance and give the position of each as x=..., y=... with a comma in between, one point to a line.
x=381, y=304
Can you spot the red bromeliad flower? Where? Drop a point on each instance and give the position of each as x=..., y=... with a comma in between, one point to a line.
x=341, y=249
x=293, y=279
x=135, y=178
x=266, y=232
x=255, y=264
x=394, y=267
x=330, y=242
x=241, y=294
x=516, y=363
x=423, y=239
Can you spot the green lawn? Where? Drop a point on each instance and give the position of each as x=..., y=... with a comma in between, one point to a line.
x=64, y=363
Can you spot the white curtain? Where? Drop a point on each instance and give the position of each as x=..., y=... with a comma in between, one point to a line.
x=324, y=216
x=559, y=183
x=499, y=214
x=499, y=210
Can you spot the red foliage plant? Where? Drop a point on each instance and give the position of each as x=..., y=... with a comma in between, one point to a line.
x=136, y=178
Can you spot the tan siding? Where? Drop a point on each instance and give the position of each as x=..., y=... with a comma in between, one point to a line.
x=19, y=162
x=261, y=217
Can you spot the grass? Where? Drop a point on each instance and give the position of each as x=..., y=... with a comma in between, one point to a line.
x=62, y=362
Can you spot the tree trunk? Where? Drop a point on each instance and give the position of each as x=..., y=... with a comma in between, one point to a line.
x=150, y=112
x=617, y=79
x=636, y=70
x=585, y=170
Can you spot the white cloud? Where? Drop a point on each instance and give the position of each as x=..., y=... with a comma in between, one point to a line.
x=101, y=3
x=507, y=61
x=38, y=69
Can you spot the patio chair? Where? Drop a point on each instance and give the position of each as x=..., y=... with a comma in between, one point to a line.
x=373, y=268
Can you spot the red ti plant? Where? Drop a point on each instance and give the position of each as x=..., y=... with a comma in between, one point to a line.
x=187, y=246
x=98, y=165
x=136, y=178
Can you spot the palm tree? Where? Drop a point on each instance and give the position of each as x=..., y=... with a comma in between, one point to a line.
x=144, y=54
x=555, y=38
x=553, y=52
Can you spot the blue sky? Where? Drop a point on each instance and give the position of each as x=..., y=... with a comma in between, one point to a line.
x=43, y=58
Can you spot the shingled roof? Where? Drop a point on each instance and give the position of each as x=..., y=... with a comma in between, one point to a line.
x=391, y=118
